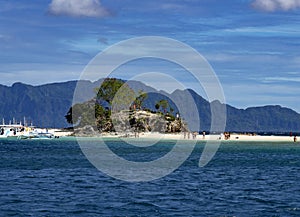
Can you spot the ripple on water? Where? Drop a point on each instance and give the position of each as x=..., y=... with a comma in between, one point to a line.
x=53, y=178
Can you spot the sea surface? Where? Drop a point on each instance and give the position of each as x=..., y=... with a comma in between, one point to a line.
x=54, y=178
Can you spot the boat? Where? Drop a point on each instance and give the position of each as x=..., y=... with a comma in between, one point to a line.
x=11, y=130
x=36, y=135
x=18, y=131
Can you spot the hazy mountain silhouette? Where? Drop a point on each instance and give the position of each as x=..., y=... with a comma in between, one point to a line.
x=46, y=105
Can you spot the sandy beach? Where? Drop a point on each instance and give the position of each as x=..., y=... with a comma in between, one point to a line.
x=181, y=136
x=233, y=137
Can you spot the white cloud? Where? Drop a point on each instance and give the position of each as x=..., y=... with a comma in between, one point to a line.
x=170, y=6
x=280, y=79
x=275, y=5
x=78, y=8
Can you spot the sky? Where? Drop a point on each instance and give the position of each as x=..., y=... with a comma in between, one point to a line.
x=252, y=45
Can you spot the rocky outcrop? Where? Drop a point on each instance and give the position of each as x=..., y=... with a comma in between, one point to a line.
x=85, y=131
x=144, y=121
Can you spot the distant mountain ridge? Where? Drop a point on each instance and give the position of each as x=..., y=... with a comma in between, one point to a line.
x=46, y=105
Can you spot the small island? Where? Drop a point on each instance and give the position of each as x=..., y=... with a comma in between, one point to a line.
x=119, y=110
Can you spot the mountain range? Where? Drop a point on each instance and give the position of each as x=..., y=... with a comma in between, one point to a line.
x=46, y=105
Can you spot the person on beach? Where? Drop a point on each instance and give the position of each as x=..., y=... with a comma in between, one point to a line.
x=221, y=136
x=227, y=135
x=295, y=138
x=194, y=135
x=203, y=133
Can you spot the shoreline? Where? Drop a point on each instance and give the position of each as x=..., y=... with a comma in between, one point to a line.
x=156, y=136
x=198, y=138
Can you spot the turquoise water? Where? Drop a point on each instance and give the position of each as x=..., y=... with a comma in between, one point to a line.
x=53, y=178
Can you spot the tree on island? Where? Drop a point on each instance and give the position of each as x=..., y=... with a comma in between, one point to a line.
x=140, y=99
x=108, y=89
x=164, y=104
x=113, y=91
x=81, y=114
x=116, y=93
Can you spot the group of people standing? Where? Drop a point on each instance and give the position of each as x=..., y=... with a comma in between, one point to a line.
x=187, y=135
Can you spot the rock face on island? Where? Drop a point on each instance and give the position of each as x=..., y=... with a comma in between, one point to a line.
x=146, y=121
x=130, y=122
x=85, y=131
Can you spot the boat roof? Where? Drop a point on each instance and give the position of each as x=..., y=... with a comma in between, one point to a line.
x=11, y=125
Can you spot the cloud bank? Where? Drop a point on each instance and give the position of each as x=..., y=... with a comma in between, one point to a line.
x=78, y=8
x=276, y=5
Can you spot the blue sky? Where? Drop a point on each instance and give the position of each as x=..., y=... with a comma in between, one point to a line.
x=253, y=45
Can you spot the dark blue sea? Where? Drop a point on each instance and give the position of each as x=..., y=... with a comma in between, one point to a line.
x=54, y=178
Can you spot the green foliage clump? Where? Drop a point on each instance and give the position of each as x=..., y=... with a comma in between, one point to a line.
x=81, y=114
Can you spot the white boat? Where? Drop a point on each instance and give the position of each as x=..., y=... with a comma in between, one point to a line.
x=18, y=131
x=35, y=135
x=11, y=130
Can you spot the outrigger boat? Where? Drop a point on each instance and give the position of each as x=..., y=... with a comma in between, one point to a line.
x=37, y=135
x=11, y=130
x=18, y=131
